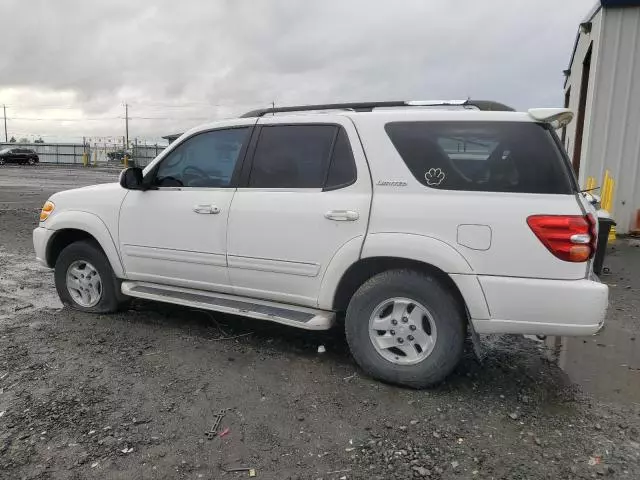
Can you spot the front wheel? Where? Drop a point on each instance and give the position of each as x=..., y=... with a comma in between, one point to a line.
x=85, y=280
x=406, y=327
x=31, y=161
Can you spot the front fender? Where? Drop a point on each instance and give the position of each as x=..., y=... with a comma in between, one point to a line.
x=94, y=226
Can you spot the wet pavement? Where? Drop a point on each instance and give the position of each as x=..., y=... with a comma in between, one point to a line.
x=130, y=395
x=31, y=186
x=607, y=365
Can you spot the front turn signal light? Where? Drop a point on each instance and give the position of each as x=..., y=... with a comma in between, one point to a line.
x=46, y=210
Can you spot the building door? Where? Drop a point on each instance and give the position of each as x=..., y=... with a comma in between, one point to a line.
x=584, y=90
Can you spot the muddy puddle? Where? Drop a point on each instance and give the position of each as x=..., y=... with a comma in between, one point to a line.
x=25, y=286
x=606, y=366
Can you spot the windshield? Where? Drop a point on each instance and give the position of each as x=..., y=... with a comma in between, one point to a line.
x=5, y=150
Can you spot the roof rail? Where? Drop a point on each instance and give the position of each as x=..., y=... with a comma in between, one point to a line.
x=369, y=106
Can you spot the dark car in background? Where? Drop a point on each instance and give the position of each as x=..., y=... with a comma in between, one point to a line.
x=21, y=156
x=118, y=156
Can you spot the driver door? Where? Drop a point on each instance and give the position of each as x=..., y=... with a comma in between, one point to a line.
x=175, y=233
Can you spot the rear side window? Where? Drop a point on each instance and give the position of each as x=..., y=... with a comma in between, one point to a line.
x=342, y=171
x=292, y=156
x=517, y=157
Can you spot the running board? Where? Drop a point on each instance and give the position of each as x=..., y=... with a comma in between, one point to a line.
x=294, y=316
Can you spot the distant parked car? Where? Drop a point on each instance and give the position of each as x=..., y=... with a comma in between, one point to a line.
x=118, y=156
x=20, y=156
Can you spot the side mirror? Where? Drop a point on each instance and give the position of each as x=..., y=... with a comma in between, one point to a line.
x=131, y=178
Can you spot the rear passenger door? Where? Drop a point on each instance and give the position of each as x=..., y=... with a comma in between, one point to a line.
x=305, y=193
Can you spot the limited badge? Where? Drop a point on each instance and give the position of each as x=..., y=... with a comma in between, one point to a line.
x=434, y=177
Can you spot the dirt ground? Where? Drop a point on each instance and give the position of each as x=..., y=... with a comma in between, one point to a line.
x=133, y=395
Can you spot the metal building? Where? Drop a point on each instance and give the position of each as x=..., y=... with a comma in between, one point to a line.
x=602, y=85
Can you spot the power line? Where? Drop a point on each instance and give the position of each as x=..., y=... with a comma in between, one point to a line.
x=171, y=118
x=42, y=119
x=32, y=106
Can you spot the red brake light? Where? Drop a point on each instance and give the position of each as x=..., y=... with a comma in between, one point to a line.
x=571, y=238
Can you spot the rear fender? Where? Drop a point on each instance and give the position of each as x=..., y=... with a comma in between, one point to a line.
x=417, y=247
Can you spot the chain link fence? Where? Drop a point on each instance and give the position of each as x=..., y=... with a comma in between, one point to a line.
x=99, y=154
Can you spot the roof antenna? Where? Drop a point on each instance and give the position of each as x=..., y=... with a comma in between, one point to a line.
x=273, y=106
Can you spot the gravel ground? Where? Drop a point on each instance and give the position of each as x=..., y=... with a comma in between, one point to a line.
x=132, y=395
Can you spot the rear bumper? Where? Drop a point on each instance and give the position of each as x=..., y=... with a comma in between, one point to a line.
x=543, y=307
x=41, y=238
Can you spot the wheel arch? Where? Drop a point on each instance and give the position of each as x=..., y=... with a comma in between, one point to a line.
x=366, y=268
x=62, y=239
x=71, y=226
x=389, y=251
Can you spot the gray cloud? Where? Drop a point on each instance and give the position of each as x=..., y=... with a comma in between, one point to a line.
x=183, y=61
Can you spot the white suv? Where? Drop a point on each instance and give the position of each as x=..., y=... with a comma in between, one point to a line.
x=416, y=222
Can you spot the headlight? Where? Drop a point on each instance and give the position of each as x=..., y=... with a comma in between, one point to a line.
x=47, y=209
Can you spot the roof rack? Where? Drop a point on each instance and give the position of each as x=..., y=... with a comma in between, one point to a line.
x=486, y=105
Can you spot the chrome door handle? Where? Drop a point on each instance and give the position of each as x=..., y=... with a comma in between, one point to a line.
x=206, y=209
x=342, y=215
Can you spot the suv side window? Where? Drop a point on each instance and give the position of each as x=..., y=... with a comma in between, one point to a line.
x=342, y=171
x=207, y=159
x=520, y=157
x=292, y=156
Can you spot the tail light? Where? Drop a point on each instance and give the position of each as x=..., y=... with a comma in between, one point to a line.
x=571, y=238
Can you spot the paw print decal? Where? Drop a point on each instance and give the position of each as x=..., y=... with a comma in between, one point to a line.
x=434, y=177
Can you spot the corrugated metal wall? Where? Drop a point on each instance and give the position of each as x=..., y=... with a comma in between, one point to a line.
x=611, y=138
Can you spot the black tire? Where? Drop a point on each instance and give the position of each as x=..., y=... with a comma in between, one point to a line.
x=111, y=299
x=444, y=308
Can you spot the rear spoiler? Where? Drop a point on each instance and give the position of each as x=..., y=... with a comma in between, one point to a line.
x=556, y=117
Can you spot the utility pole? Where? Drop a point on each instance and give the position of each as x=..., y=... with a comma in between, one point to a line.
x=6, y=138
x=126, y=126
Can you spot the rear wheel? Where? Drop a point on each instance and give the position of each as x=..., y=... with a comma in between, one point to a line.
x=85, y=280
x=405, y=327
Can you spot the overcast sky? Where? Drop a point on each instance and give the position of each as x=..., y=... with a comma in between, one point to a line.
x=68, y=66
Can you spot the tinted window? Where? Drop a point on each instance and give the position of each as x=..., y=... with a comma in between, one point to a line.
x=342, y=171
x=204, y=160
x=292, y=156
x=482, y=156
